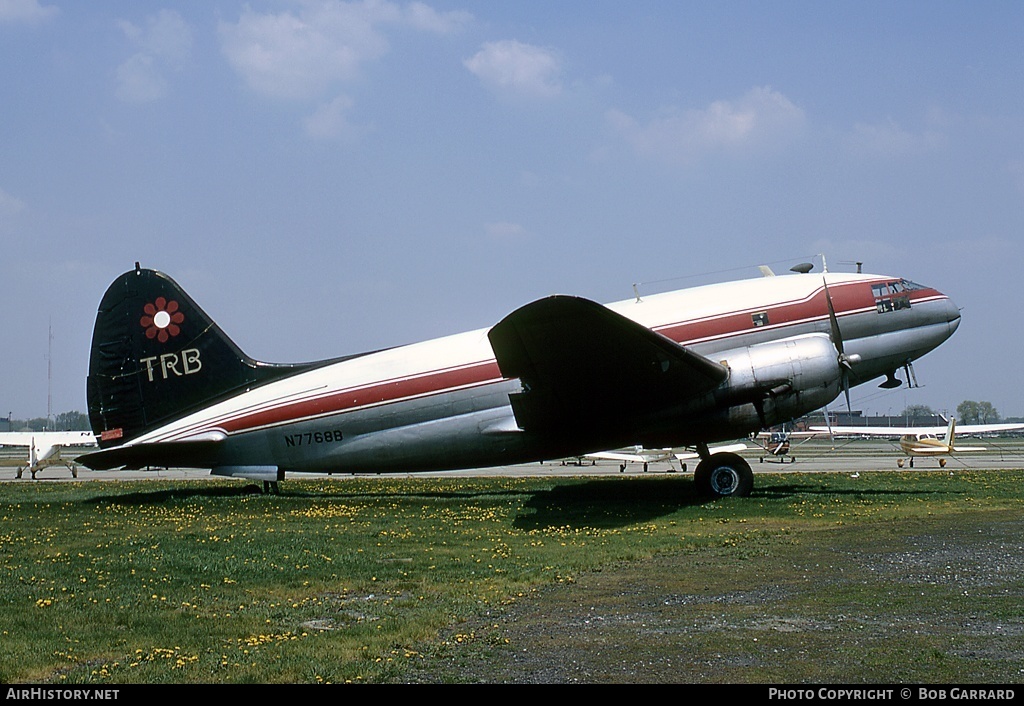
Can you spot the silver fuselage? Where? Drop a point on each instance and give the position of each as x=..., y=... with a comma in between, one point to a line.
x=443, y=404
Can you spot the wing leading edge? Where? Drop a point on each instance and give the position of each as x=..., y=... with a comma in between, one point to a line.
x=581, y=364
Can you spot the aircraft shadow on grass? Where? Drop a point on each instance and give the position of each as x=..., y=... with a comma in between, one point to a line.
x=204, y=490
x=598, y=504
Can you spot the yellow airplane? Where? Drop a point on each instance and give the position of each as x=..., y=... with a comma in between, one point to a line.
x=925, y=441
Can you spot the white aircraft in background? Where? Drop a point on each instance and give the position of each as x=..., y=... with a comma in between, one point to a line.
x=925, y=441
x=639, y=454
x=44, y=447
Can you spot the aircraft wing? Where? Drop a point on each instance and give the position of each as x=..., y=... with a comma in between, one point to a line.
x=581, y=364
x=880, y=431
x=936, y=431
x=638, y=457
x=642, y=455
x=48, y=438
x=728, y=448
x=986, y=428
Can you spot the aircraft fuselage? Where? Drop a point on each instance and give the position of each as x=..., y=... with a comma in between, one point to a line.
x=445, y=404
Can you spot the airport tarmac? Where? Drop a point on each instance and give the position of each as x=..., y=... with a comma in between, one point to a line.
x=816, y=455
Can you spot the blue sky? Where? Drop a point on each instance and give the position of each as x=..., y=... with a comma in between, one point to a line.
x=331, y=177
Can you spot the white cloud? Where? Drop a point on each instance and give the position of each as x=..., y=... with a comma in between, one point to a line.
x=424, y=17
x=164, y=42
x=761, y=119
x=9, y=205
x=300, y=55
x=889, y=138
x=166, y=36
x=505, y=232
x=1016, y=170
x=518, y=68
x=330, y=121
x=138, y=81
x=25, y=11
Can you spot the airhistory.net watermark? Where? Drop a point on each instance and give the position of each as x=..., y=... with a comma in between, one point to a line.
x=48, y=694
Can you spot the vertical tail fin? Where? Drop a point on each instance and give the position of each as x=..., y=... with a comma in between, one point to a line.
x=157, y=356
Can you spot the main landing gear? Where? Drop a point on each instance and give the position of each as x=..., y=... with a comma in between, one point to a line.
x=723, y=475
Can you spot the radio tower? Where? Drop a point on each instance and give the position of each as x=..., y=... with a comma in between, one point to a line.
x=49, y=376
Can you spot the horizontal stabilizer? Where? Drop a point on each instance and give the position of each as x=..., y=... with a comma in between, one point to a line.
x=264, y=473
x=175, y=454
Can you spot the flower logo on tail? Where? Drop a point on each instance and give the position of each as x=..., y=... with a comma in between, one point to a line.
x=162, y=319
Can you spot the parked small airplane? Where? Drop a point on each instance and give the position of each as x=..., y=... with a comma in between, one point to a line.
x=44, y=448
x=925, y=441
x=557, y=378
x=779, y=444
x=639, y=454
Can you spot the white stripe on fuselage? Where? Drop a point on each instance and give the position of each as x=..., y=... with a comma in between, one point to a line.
x=658, y=312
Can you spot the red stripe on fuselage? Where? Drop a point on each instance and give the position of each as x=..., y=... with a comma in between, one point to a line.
x=847, y=298
x=424, y=384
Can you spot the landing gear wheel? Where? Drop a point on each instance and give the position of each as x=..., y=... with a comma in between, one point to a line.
x=724, y=475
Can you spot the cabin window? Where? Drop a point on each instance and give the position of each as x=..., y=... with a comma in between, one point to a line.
x=760, y=318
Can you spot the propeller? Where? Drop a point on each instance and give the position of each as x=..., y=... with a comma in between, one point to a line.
x=845, y=361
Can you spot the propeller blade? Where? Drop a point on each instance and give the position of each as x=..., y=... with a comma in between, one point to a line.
x=828, y=422
x=837, y=334
x=845, y=364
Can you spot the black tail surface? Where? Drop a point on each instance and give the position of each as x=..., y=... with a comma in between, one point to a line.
x=156, y=356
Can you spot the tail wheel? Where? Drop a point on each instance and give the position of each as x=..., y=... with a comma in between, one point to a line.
x=724, y=475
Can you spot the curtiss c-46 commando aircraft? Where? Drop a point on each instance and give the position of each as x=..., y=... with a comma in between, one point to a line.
x=559, y=377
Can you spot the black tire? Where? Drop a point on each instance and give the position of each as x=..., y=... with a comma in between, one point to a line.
x=724, y=475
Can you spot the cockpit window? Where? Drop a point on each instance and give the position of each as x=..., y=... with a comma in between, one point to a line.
x=893, y=296
x=895, y=287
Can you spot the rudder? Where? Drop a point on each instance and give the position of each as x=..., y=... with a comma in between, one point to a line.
x=157, y=356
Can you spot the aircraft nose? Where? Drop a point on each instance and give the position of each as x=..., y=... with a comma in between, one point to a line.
x=951, y=315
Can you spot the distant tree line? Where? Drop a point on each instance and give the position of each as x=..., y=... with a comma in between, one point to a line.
x=967, y=412
x=65, y=421
x=971, y=412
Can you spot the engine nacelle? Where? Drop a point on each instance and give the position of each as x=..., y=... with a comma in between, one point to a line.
x=783, y=379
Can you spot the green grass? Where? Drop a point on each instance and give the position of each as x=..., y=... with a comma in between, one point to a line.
x=364, y=579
